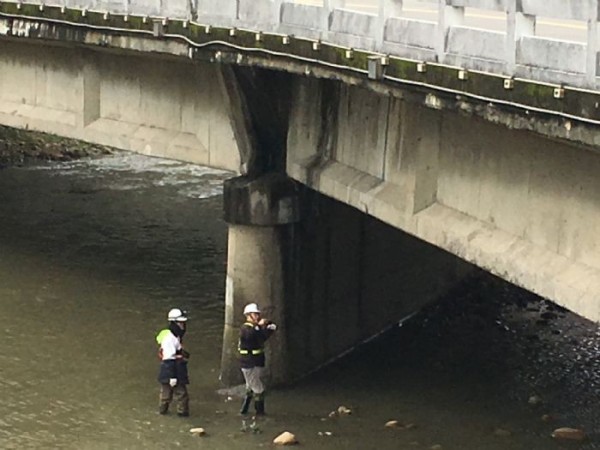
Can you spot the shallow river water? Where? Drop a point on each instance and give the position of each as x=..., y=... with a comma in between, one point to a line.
x=92, y=255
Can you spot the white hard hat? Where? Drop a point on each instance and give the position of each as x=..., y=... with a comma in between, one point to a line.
x=176, y=315
x=251, y=308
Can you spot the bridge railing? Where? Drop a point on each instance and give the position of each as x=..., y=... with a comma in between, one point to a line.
x=515, y=51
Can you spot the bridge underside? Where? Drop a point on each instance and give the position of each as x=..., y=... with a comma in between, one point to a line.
x=168, y=108
x=516, y=203
x=520, y=205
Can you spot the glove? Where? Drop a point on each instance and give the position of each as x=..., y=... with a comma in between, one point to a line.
x=172, y=382
x=271, y=327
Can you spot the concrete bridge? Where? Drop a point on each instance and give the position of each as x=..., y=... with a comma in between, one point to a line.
x=360, y=140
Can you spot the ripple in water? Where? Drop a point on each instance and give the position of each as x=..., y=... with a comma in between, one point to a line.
x=123, y=171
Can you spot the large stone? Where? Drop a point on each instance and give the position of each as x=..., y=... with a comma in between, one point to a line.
x=285, y=438
x=573, y=434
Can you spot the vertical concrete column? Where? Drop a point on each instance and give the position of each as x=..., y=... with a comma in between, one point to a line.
x=258, y=211
x=448, y=16
x=387, y=9
x=329, y=6
x=90, y=87
x=276, y=13
x=591, y=68
x=517, y=26
x=414, y=164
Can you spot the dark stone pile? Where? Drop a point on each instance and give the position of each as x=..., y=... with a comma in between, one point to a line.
x=21, y=147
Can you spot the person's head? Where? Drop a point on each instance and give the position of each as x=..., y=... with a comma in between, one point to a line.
x=252, y=312
x=177, y=316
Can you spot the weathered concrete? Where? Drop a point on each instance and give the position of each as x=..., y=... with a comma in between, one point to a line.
x=150, y=106
x=269, y=200
x=354, y=277
x=258, y=212
x=396, y=148
x=511, y=202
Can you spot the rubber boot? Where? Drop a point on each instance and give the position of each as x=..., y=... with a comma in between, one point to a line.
x=259, y=405
x=246, y=404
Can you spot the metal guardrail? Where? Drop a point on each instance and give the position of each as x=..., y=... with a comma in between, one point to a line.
x=514, y=66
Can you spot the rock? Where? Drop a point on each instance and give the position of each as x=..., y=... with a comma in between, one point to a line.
x=436, y=447
x=534, y=400
x=198, y=431
x=392, y=424
x=574, y=434
x=343, y=411
x=547, y=418
x=285, y=438
x=502, y=432
x=235, y=391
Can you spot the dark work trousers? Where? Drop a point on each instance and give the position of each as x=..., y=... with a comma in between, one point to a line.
x=178, y=393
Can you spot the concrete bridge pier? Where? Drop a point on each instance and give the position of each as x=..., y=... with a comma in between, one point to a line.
x=259, y=211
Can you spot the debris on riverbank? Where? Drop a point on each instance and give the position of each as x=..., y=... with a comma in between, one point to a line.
x=21, y=147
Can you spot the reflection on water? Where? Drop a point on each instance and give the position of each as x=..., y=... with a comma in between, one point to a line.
x=94, y=253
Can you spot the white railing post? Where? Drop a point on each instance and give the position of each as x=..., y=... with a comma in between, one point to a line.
x=328, y=7
x=591, y=63
x=517, y=26
x=191, y=10
x=387, y=9
x=276, y=16
x=448, y=16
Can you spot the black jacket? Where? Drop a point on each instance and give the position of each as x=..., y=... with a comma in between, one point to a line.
x=252, y=344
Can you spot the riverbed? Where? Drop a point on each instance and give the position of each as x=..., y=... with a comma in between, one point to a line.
x=94, y=252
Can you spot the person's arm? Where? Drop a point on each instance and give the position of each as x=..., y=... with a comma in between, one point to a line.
x=267, y=328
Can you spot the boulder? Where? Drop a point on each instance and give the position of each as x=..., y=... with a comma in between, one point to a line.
x=285, y=438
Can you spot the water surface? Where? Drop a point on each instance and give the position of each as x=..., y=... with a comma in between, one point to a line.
x=93, y=253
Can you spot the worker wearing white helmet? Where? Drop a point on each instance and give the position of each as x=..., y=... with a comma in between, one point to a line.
x=173, y=374
x=253, y=334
